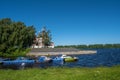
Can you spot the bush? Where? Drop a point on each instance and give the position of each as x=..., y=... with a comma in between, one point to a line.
x=16, y=53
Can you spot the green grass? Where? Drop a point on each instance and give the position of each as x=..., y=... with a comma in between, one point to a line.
x=99, y=73
x=16, y=53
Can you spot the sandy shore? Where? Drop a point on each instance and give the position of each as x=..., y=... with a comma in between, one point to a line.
x=58, y=53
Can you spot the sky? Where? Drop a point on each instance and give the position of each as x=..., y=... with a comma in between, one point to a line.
x=71, y=22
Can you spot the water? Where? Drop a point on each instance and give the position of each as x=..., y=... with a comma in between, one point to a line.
x=103, y=57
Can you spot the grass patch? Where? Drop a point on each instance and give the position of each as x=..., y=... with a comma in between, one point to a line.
x=99, y=73
x=16, y=53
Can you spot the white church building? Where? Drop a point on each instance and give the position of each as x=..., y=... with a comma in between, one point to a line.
x=38, y=44
x=38, y=41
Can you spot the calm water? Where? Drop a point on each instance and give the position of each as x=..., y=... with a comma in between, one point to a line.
x=104, y=57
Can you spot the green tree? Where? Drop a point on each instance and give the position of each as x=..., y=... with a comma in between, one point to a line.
x=46, y=37
x=15, y=35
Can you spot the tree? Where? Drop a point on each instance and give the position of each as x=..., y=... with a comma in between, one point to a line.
x=15, y=35
x=46, y=37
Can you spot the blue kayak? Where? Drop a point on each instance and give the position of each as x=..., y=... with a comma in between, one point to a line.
x=18, y=63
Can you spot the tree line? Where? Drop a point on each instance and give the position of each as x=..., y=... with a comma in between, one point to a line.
x=93, y=46
x=15, y=35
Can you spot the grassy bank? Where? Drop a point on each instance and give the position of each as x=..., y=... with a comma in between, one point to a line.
x=100, y=73
x=15, y=53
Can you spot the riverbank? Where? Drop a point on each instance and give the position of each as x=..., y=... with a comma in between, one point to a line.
x=62, y=73
x=58, y=51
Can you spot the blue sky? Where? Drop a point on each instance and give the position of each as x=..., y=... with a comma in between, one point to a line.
x=70, y=21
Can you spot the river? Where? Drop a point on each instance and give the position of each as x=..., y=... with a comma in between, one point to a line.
x=103, y=57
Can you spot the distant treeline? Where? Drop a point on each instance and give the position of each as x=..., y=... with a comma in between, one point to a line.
x=95, y=46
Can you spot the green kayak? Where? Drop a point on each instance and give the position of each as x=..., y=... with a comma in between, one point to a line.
x=69, y=58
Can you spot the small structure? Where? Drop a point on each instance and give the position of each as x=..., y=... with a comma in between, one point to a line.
x=37, y=43
x=43, y=40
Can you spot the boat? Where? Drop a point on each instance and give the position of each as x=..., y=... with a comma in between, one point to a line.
x=69, y=58
x=58, y=61
x=19, y=63
x=43, y=59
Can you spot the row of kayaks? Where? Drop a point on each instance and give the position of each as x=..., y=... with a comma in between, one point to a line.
x=65, y=58
x=22, y=62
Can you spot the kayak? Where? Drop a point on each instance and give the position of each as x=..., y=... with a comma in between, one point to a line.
x=69, y=58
